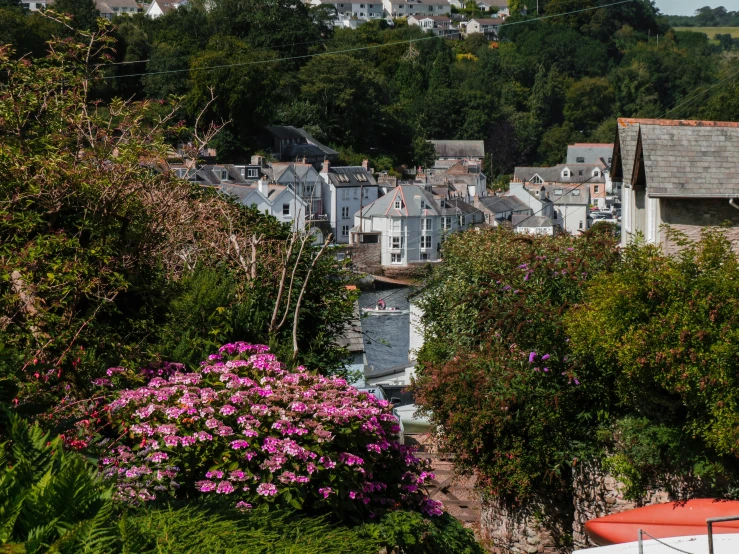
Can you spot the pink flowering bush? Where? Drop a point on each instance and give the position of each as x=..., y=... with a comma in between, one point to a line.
x=245, y=428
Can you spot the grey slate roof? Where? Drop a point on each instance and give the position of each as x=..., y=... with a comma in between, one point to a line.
x=350, y=176
x=352, y=338
x=554, y=174
x=627, y=133
x=528, y=221
x=410, y=197
x=691, y=158
x=577, y=196
x=455, y=206
x=592, y=153
x=502, y=204
x=459, y=148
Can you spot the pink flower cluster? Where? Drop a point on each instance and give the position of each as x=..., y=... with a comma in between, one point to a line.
x=261, y=434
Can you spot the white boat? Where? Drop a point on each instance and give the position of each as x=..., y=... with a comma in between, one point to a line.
x=695, y=544
x=384, y=311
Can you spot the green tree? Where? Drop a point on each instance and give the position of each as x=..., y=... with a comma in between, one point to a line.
x=84, y=13
x=588, y=103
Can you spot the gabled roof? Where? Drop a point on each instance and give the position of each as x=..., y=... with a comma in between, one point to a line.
x=502, y=204
x=459, y=148
x=530, y=221
x=682, y=158
x=410, y=197
x=571, y=196
x=554, y=174
x=455, y=206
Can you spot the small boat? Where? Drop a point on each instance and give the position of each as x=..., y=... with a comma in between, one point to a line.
x=673, y=519
x=390, y=310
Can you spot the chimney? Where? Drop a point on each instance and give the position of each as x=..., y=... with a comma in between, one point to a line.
x=365, y=164
x=326, y=165
x=263, y=187
x=257, y=160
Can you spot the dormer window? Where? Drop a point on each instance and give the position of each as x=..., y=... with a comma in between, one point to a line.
x=224, y=174
x=596, y=173
x=536, y=180
x=566, y=173
x=398, y=204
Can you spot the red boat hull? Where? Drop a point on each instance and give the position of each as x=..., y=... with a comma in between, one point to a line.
x=674, y=519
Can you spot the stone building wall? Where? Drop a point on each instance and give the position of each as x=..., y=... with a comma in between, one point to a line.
x=691, y=215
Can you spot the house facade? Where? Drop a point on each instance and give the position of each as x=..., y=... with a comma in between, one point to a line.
x=275, y=200
x=677, y=173
x=302, y=178
x=488, y=27
x=499, y=210
x=440, y=25
x=593, y=154
x=158, y=8
x=534, y=198
x=354, y=10
x=409, y=225
x=407, y=8
x=594, y=177
x=110, y=8
x=346, y=190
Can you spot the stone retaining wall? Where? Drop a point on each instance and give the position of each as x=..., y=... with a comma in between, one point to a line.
x=558, y=527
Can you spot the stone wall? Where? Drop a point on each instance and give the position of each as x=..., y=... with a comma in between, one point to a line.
x=536, y=528
x=598, y=494
x=691, y=215
x=366, y=257
x=558, y=527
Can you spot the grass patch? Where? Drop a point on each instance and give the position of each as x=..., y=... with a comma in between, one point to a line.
x=712, y=31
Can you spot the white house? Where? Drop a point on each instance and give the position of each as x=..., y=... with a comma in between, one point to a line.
x=276, y=200
x=303, y=178
x=534, y=199
x=593, y=176
x=571, y=207
x=597, y=154
x=36, y=6
x=158, y=8
x=410, y=224
x=533, y=225
x=110, y=8
x=440, y=25
x=346, y=191
x=406, y=8
x=488, y=27
x=354, y=10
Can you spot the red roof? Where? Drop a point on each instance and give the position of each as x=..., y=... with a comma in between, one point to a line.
x=624, y=121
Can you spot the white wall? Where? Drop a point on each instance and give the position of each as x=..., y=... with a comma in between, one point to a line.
x=535, y=230
x=416, y=330
x=411, y=232
x=353, y=203
x=570, y=217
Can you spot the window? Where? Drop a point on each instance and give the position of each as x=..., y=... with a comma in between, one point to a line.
x=596, y=188
x=566, y=173
x=344, y=230
x=395, y=225
x=580, y=225
x=580, y=160
x=423, y=205
x=366, y=193
x=610, y=160
x=396, y=243
x=424, y=256
x=395, y=258
x=443, y=203
x=345, y=194
x=356, y=194
x=398, y=204
x=461, y=220
x=536, y=180
x=253, y=173
x=596, y=173
x=575, y=193
x=558, y=192
x=426, y=224
x=446, y=223
x=286, y=209
x=580, y=172
x=224, y=173
x=345, y=212
x=309, y=190
x=425, y=242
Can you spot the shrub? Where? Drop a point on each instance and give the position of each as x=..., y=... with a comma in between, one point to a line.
x=243, y=426
x=50, y=500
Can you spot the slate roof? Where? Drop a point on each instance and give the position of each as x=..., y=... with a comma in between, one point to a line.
x=393, y=370
x=689, y=158
x=278, y=169
x=487, y=21
x=571, y=196
x=410, y=197
x=459, y=148
x=625, y=148
x=529, y=221
x=352, y=339
x=554, y=174
x=502, y=204
x=592, y=153
x=350, y=176
x=454, y=205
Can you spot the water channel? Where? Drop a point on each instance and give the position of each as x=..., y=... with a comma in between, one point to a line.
x=386, y=337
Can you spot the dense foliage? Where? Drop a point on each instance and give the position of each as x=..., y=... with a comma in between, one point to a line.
x=377, y=91
x=494, y=372
x=706, y=17
x=108, y=258
x=542, y=351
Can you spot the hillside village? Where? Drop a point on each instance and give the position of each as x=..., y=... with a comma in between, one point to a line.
x=410, y=277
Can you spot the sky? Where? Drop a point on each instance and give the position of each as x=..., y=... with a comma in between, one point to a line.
x=688, y=7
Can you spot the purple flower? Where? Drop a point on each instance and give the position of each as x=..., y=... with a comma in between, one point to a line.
x=266, y=489
x=577, y=382
x=546, y=370
x=325, y=491
x=225, y=487
x=532, y=357
x=545, y=357
x=243, y=506
x=526, y=277
x=523, y=266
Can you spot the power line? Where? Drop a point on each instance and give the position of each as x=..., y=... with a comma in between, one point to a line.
x=348, y=50
x=696, y=95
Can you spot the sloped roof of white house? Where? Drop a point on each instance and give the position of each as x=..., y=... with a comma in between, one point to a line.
x=410, y=197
